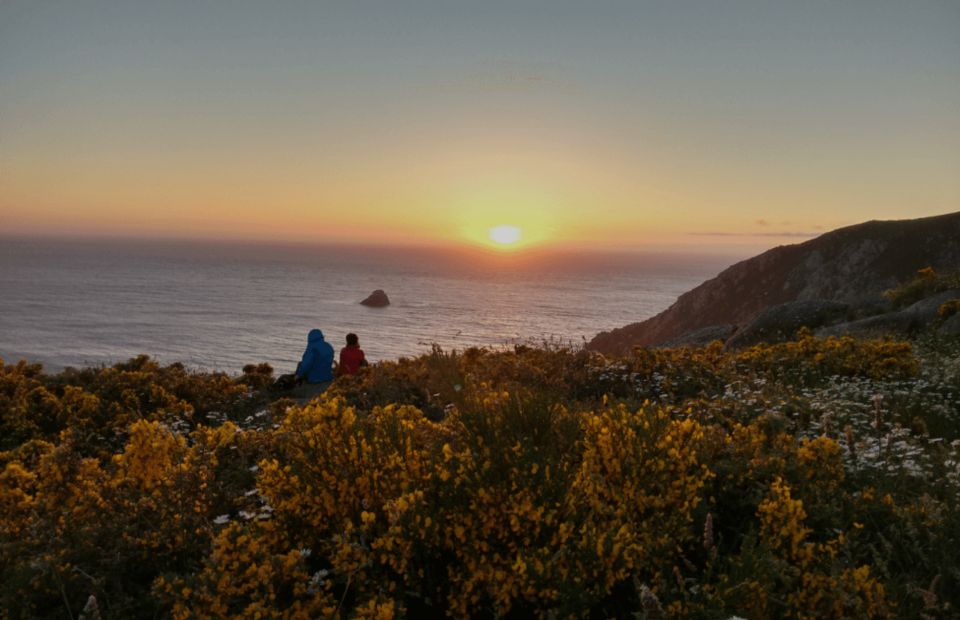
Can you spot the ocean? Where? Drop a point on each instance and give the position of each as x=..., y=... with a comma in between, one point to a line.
x=221, y=305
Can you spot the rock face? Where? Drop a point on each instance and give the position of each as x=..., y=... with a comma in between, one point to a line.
x=779, y=323
x=852, y=265
x=376, y=299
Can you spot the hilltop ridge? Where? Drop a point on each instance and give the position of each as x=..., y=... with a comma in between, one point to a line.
x=854, y=264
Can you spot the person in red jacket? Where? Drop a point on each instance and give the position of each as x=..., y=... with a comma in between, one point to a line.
x=351, y=356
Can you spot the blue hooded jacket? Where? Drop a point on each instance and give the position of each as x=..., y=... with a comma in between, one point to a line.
x=317, y=363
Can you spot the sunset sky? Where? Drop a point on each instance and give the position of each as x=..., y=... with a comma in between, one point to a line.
x=625, y=125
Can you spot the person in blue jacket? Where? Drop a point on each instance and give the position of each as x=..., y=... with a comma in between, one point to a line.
x=317, y=363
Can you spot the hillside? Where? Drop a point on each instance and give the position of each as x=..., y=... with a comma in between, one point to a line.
x=853, y=264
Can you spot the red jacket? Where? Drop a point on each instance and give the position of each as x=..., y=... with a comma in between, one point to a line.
x=351, y=358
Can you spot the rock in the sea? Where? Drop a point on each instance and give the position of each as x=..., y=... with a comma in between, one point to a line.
x=376, y=299
x=779, y=323
x=700, y=337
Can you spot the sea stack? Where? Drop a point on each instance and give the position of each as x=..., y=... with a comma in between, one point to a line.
x=376, y=299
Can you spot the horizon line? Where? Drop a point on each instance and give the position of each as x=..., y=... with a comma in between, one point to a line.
x=448, y=246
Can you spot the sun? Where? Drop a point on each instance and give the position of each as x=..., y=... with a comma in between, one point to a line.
x=505, y=234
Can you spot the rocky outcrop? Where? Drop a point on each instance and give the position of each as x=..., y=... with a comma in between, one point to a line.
x=376, y=299
x=852, y=265
x=919, y=316
x=701, y=337
x=879, y=325
x=950, y=327
x=779, y=323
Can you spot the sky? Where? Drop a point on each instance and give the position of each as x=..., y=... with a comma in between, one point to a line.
x=605, y=125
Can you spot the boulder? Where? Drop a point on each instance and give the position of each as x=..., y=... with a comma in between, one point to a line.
x=700, y=337
x=781, y=322
x=376, y=299
x=950, y=327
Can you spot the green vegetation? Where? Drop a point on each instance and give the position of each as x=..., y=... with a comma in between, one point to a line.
x=815, y=478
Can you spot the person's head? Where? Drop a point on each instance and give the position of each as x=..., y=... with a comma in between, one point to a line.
x=315, y=335
x=352, y=340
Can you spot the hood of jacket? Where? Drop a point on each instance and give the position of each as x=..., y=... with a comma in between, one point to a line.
x=315, y=336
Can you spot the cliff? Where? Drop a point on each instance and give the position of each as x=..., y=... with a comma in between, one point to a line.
x=854, y=265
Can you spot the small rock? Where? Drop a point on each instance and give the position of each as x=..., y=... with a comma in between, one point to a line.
x=376, y=299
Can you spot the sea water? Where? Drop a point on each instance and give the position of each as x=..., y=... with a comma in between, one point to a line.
x=220, y=305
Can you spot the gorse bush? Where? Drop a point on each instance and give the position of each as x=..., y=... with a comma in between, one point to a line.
x=927, y=282
x=809, y=360
x=788, y=480
x=948, y=309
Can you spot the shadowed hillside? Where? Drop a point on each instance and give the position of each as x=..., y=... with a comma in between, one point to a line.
x=853, y=264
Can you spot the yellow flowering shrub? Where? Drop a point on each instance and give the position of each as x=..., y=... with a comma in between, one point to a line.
x=530, y=482
x=250, y=574
x=948, y=308
x=640, y=480
x=809, y=572
x=810, y=358
x=926, y=282
x=392, y=503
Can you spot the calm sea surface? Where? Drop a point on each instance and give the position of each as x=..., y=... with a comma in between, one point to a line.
x=219, y=306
